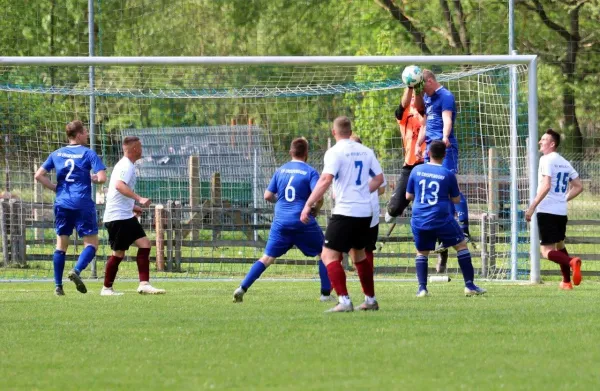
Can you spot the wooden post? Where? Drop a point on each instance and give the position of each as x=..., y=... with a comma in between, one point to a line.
x=195, y=191
x=14, y=211
x=493, y=224
x=38, y=190
x=177, y=234
x=169, y=231
x=484, y=246
x=215, y=201
x=160, y=237
x=492, y=182
x=4, y=231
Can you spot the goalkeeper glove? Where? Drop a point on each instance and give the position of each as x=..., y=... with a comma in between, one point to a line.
x=418, y=88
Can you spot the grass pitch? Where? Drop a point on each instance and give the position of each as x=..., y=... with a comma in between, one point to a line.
x=515, y=337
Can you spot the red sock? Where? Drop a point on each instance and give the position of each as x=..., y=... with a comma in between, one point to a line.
x=565, y=269
x=112, y=267
x=143, y=263
x=370, y=257
x=337, y=276
x=365, y=274
x=559, y=257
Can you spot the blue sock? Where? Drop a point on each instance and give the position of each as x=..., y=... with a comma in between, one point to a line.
x=466, y=267
x=421, y=264
x=59, y=266
x=325, y=283
x=462, y=212
x=255, y=271
x=85, y=258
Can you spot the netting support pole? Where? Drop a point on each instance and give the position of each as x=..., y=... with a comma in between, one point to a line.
x=92, y=122
x=514, y=190
x=255, y=195
x=532, y=114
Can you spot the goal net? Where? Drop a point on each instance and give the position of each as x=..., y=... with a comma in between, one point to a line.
x=213, y=135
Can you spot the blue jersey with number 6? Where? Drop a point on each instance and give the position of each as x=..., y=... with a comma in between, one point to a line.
x=73, y=182
x=293, y=183
x=433, y=186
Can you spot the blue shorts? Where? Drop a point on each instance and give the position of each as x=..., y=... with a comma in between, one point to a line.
x=449, y=234
x=309, y=239
x=450, y=161
x=84, y=220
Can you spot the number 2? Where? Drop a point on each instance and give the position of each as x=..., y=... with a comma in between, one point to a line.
x=359, y=164
x=70, y=162
x=564, y=182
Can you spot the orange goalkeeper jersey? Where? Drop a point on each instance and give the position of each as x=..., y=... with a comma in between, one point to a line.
x=409, y=121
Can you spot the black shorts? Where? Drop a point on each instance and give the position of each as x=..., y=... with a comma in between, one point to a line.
x=123, y=233
x=345, y=232
x=373, y=235
x=552, y=228
x=398, y=201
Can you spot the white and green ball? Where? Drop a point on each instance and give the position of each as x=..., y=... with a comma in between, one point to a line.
x=412, y=75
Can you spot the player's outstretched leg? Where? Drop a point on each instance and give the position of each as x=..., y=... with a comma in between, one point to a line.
x=421, y=266
x=143, y=264
x=466, y=266
x=110, y=273
x=254, y=273
x=58, y=261
x=337, y=276
x=325, y=283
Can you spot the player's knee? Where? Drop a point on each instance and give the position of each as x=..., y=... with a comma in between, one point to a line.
x=461, y=246
x=91, y=240
x=267, y=260
x=118, y=253
x=143, y=243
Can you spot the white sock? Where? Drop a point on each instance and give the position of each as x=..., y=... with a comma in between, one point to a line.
x=345, y=300
x=370, y=300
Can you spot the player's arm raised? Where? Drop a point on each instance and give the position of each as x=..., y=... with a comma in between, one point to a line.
x=41, y=177
x=127, y=192
x=543, y=190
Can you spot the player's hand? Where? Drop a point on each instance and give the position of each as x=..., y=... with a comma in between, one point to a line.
x=528, y=214
x=137, y=210
x=145, y=201
x=389, y=218
x=418, y=88
x=94, y=178
x=314, y=212
x=446, y=141
x=305, y=215
x=419, y=153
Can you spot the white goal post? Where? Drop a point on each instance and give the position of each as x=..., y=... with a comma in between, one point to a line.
x=530, y=61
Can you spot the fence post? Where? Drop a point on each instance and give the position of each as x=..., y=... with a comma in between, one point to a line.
x=38, y=191
x=492, y=182
x=492, y=221
x=169, y=230
x=177, y=234
x=195, y=191
x=17, y=240
x=484, y=246
x=4, y=231
x=160, y=238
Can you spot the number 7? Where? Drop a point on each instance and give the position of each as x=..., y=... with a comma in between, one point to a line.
x=359, y=164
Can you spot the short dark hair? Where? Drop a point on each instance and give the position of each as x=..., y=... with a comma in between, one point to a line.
x=299, y=147
x=555, y=136
x=74, y=128
x=343, y=125
x=437, y=149
x=130, y=140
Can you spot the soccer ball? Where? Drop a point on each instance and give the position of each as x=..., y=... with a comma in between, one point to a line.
x=412, y=75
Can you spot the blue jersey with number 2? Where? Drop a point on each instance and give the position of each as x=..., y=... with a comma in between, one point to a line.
x=433, y=186
x=73, y=182
x=293, y=183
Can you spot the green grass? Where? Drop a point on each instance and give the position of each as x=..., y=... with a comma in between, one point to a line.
x=515, y=337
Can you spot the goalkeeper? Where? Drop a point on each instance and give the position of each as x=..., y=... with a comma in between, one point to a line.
x=289, y=189
x=409, y=121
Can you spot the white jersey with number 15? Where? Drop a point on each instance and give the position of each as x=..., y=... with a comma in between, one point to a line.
x=560, y=172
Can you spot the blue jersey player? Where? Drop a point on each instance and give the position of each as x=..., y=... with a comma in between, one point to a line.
x=440, y=111
x=289, y=189
x=74, y=206
x=432, y=188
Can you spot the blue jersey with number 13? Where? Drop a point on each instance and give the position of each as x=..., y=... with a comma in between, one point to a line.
x=74, y=184
x=293, y=183
x=433, y=186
